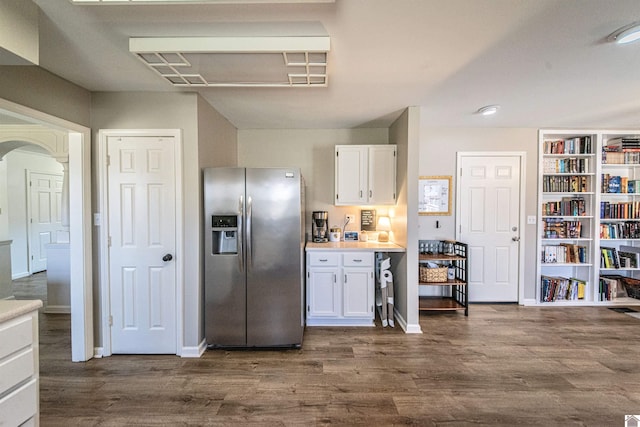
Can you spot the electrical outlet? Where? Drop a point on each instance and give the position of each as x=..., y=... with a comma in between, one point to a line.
x=350, y=218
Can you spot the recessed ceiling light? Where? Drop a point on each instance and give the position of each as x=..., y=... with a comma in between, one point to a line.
x=488, y=110
x=626, y=34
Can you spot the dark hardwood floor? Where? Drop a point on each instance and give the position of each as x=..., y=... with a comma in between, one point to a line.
x=504, y=365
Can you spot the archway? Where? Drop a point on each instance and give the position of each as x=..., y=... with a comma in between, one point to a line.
x=76, y=151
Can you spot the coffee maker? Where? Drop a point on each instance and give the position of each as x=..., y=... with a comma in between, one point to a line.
x=319, y=226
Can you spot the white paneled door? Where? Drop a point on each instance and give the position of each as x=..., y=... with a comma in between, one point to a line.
x=489, y=222
x=45, y=195
x=142, y=232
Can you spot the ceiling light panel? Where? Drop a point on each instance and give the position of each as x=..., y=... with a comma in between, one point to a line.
x=107, y=2
x=236, y=61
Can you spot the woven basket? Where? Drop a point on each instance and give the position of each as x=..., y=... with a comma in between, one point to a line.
x=433, y=275
x=632, y=286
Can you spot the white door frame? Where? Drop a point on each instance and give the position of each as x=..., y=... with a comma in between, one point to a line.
x=80, y=220
x=103, y=202
x=522, y=222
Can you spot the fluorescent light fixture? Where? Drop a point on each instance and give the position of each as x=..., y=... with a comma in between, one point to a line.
x=488, y=110
x=626, y=34
x=297, y=61
x=197, y=1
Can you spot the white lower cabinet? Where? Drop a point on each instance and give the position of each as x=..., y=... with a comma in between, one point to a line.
x=19, y=363
x=340, y=288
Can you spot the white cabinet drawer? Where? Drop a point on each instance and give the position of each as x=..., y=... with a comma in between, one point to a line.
x=20, y=405
x=16, y=369
x=15, y=334
x=319, y=259
x=357, y=259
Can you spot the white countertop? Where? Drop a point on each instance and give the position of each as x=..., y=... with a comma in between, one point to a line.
x=12, y=308
x=355, y=246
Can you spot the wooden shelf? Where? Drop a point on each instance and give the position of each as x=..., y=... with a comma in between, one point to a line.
x=448, y=282
x=453, y=295
x=439, y=257
x=439, y=304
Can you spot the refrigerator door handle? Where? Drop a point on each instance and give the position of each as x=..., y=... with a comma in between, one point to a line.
x=249, y=236
x=240, y=234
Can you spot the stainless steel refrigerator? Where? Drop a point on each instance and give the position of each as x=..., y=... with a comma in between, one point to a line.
x=254, y=257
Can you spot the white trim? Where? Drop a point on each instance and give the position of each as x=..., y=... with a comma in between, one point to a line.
x=194, y=351
x=528, y=302
x=57, y=309
x=408, y=329
x=522, y=220
x=20, y=275
x=103, y=204
x=80, y=230
x=98, y=352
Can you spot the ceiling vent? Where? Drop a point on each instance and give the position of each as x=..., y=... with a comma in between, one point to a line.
x=236, y=61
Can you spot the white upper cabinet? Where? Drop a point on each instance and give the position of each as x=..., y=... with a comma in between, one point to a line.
x=365, y=174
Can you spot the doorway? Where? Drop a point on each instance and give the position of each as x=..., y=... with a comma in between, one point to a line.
x=78, y=156
x=141, y=231
x=489, y=215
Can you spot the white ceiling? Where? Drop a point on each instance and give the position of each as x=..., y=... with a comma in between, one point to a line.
x=546, y=62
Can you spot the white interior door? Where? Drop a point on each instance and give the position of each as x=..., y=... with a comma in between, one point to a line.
x=489, y=222
x=142, y=232
x=45, y=195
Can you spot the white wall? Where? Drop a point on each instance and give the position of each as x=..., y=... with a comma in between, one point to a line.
x=4, y=202
x=17, y=163
x=438, y=148
x=312, y=150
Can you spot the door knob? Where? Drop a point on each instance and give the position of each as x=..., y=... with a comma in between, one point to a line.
x=167, y=257
x=515, y=239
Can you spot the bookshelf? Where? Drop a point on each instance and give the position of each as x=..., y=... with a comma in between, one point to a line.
x=566, y=212
x=619, y=215
x=588, y=217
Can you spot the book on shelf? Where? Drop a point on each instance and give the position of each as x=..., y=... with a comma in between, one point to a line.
x=623, y=210
x=611, y=287
x=558, y=228
x=614, y=184
x=620, y=230
x=566, y=165
x=631, y=254
x=609, y=257
x=565, y=184
x=561, y=288
x=564, y=253
x=575, y=145
x=568, y=206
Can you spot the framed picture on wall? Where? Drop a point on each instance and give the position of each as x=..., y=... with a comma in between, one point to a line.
x=434, y=194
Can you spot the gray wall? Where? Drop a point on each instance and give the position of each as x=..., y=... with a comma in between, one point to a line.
x=36, y=88
x=438, y=148
x=143, y=110
x=217, y=146
x=312, y=150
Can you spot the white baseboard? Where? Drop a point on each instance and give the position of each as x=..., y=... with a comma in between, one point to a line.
x=408, y=329
x=20, y=275
x=529, y=302
x=98, y=352
x=57, y=309
x=194, y=351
